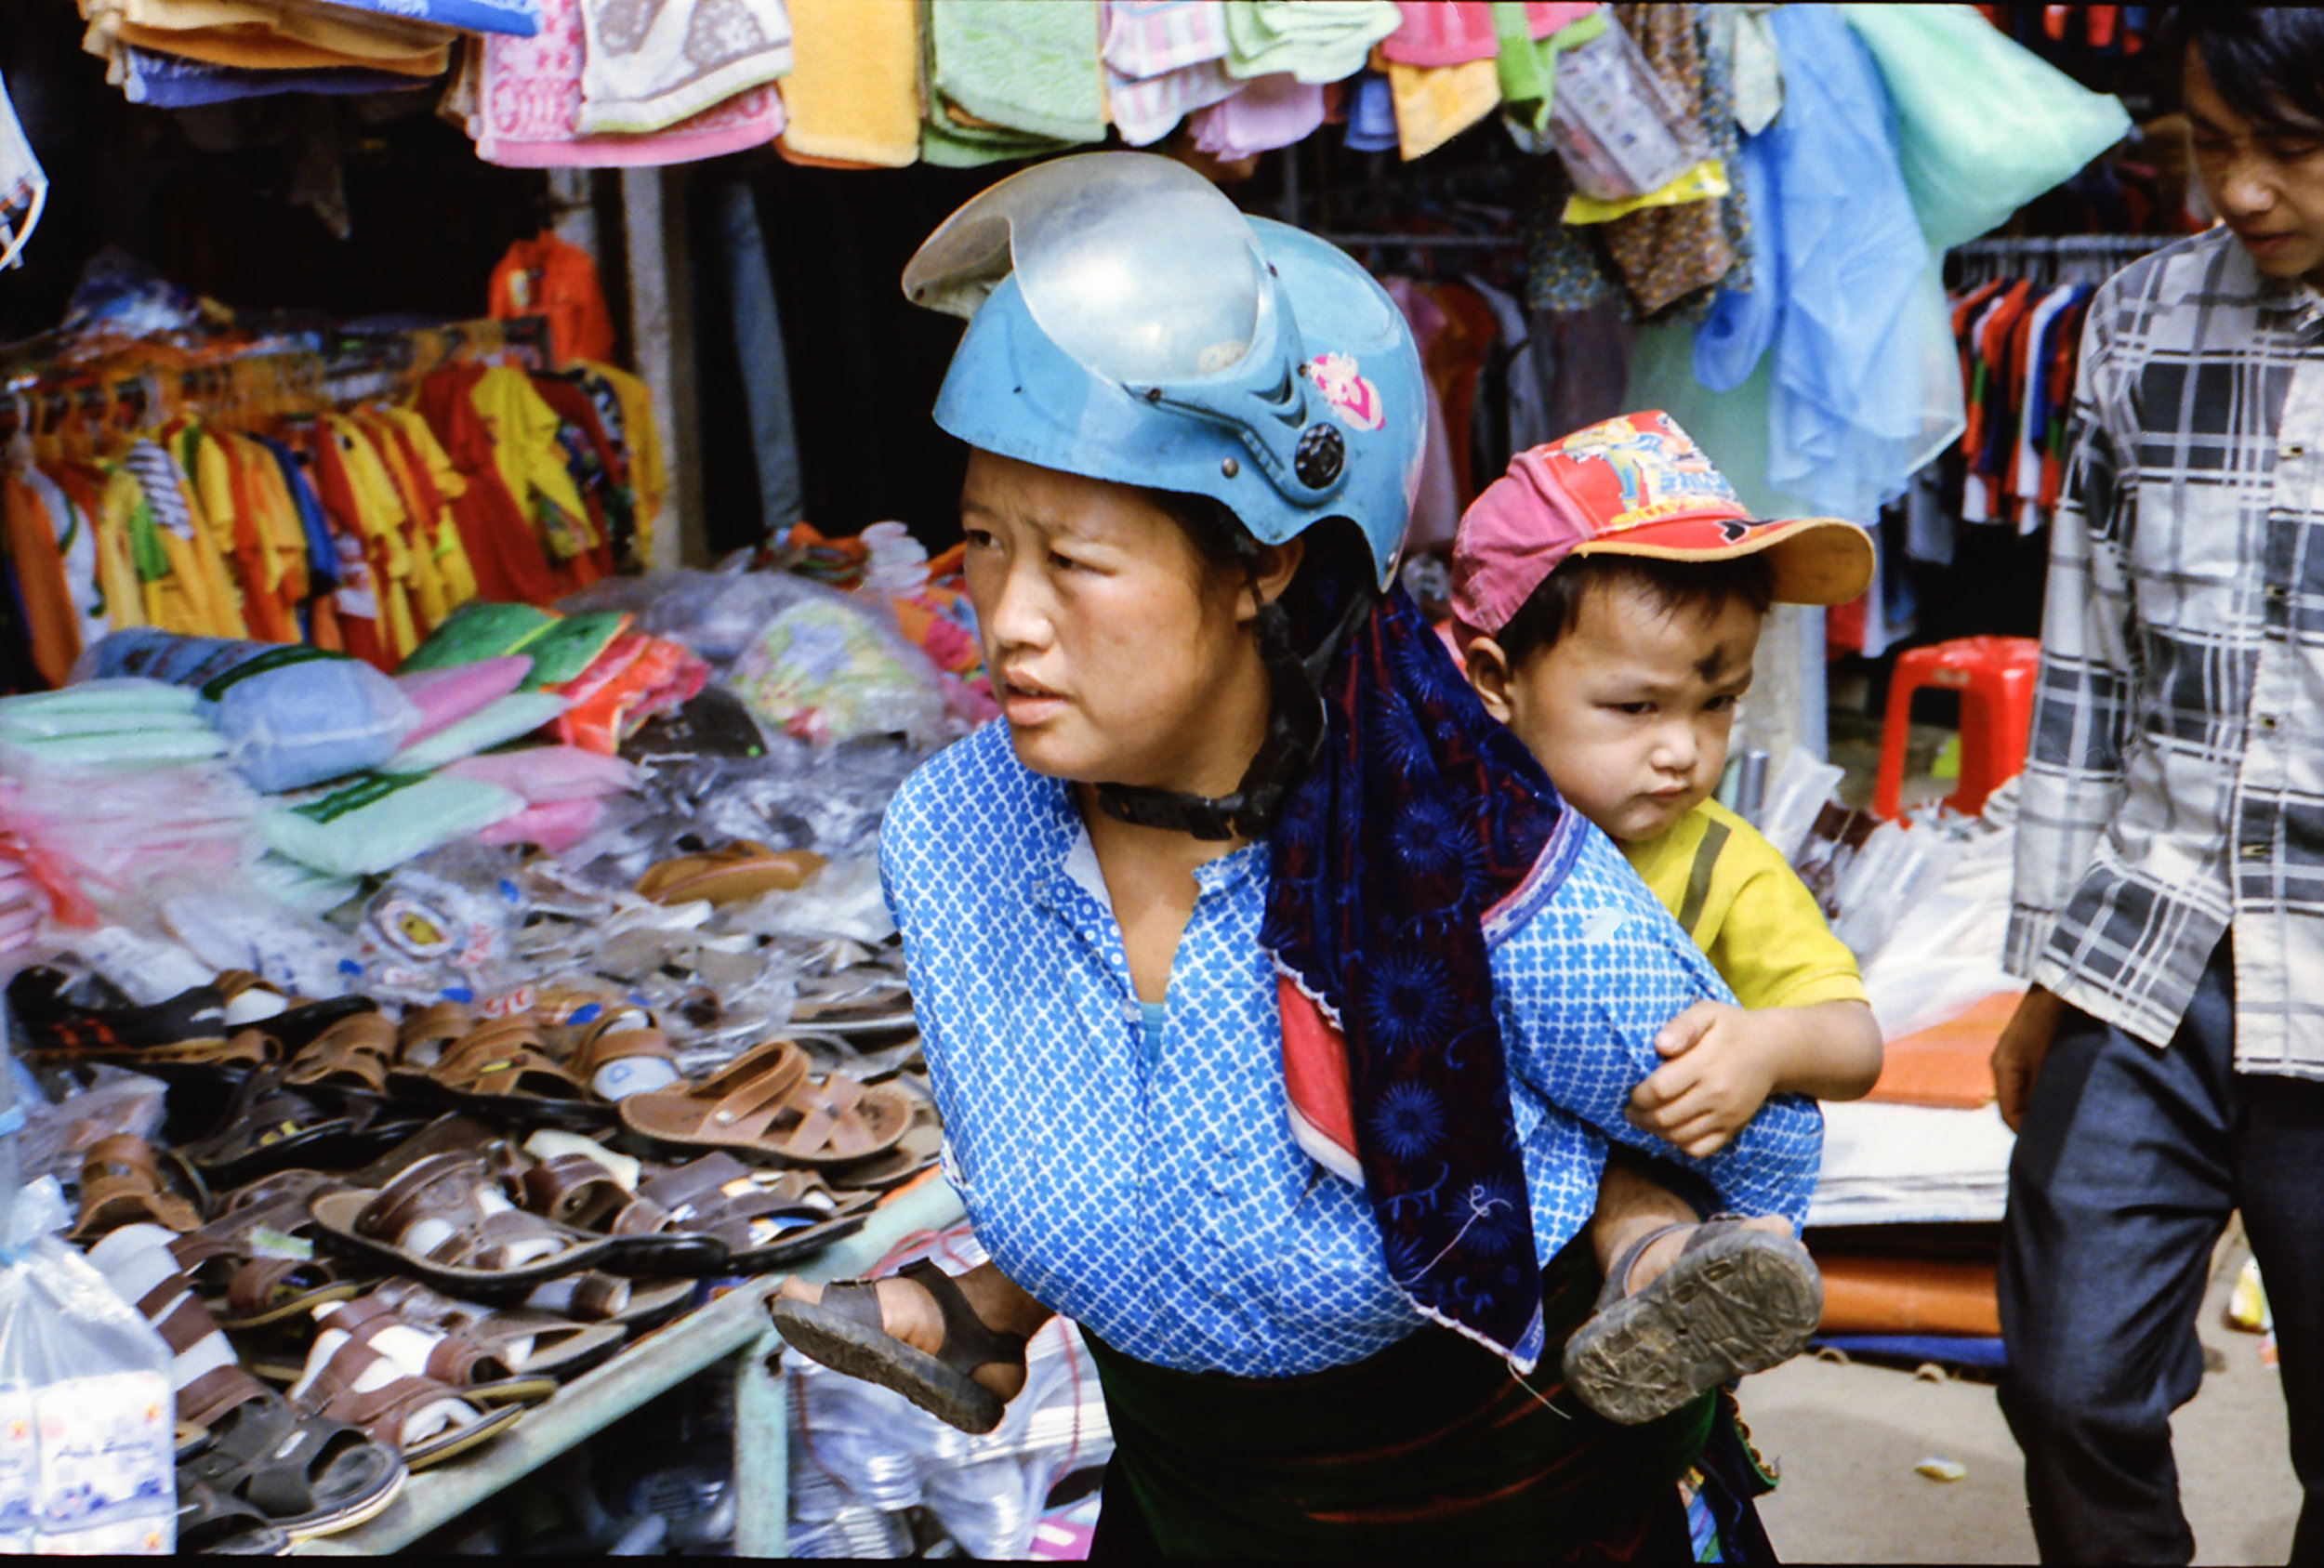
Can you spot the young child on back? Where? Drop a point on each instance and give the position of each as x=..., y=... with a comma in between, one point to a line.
x=1608, y=593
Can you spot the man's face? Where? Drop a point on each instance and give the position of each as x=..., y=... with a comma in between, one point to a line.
x=2266, y=181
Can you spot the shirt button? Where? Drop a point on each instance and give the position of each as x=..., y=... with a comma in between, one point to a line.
x=2268, y=721
x=2277, y=590
x=2253, y=852
x=2294, y=449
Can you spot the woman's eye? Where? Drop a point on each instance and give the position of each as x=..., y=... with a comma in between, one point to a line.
x=1062, y=562
x=977, y=538
x=1719, y=705
x=1635, y=709
x=2290, y=152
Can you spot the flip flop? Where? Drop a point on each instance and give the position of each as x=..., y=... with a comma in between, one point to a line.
x=1734, y=1301
x=843, y=1331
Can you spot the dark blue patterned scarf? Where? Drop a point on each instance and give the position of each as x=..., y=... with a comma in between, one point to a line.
x=1422, y=823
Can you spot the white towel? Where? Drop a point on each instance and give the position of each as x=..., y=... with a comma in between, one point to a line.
x=648, y=64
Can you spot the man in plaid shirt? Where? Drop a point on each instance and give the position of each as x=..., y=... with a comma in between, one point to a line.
x=2167, y=1067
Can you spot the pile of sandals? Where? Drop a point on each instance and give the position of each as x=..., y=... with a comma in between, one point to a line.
x=373, y=1242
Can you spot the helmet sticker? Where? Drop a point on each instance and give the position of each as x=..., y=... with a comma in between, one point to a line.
x=1356, y=400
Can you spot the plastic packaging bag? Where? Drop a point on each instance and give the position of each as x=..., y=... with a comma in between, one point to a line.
x=511, y=717
x=377, y=822
x=1794, y=796
x=828, y=667
x=1984, y=124
x=1616, y=122
x=88, y=1410
x=292, y=716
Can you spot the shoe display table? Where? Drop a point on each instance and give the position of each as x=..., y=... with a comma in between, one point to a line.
x=733, y=1326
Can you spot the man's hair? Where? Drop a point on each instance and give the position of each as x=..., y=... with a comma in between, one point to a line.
x=1698, y=588
x=2267, y=61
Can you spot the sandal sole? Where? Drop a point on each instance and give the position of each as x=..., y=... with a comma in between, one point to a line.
x=873, y=1356
x=475, y=1434
x=1740, y=1303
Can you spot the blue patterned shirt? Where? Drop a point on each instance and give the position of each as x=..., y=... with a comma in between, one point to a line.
x=1165, y=1204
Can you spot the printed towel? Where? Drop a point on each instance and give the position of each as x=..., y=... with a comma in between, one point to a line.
x=650, y=63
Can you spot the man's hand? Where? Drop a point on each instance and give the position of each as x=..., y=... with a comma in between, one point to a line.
x=1716, y=1073
x=2017, y=1056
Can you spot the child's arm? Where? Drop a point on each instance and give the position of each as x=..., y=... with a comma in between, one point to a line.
x=1720, y=1063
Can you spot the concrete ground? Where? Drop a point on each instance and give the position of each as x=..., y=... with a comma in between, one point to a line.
x=1847, y=1437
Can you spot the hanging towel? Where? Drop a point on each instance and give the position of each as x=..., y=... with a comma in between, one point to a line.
x=1269, y=112
x=1149, y=38
x=1146, y=112
x=522, y=18
x=853, y=91
x=162, y=81
x=268, y=34
x=1436, y=103
x=1371, y=114
x=647, y=67
x=1315, y=41
x=1032, y=69
x=528, y=108
x=1455, y=32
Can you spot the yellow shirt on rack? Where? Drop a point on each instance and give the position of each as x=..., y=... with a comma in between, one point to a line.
x=648, y=477
x=380, y=516
x=443, y=531
x=524, y=448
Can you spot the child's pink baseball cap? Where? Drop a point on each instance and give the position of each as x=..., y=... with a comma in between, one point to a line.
x=1632, y=485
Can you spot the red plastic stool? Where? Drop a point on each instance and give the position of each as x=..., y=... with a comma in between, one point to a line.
x=1995, y=678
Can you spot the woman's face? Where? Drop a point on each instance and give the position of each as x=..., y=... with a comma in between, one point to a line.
x=1118, y=654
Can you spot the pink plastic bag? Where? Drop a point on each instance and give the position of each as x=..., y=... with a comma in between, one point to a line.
x=548, y=773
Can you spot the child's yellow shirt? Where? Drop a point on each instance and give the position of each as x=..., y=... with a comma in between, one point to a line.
x=1746, y=910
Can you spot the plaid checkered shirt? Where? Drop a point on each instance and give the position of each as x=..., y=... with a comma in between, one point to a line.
x=2174, y=781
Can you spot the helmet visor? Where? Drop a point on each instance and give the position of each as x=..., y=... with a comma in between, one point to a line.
x=1136, y=266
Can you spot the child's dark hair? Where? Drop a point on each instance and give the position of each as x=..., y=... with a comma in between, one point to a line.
x=1701, y=589
x=2265, y=61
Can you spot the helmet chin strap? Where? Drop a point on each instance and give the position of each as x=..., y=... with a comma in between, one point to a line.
x=1295, y=728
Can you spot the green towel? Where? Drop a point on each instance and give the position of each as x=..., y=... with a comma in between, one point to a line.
x=1314, y=40
x=1031, y=69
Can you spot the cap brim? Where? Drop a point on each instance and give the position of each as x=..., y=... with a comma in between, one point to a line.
x=1814, y=560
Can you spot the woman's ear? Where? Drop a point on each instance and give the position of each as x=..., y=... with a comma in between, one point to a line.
x=1271, y=573
x=1489, y=673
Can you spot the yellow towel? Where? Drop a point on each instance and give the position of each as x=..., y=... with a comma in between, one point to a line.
x=1435, y=103
x=854, y=92
x=274, y=34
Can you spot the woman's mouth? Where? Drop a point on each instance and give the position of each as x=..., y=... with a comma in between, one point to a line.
x=1029, y=702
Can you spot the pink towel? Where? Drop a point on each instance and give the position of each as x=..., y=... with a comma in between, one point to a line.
x=528, y=106
x=1271, y=111
x=446, y=696
x=1148, y=38
x=1455, y=32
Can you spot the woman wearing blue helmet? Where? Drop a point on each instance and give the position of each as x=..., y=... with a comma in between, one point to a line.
x=1279, y=1014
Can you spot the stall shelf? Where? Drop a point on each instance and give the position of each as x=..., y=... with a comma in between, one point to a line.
x=734, y=1326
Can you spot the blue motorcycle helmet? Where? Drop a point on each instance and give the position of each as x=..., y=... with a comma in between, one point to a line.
x=1128, y=323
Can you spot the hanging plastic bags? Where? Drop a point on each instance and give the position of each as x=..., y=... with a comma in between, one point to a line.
x=1984, y=124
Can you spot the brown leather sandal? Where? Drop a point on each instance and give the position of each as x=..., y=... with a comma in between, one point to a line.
x=846, y=1333
x=500, y=1067
x=445, y=1221
x=766, y=1103
x=256, y=1262
x=716, y=1196
x=529, y=1342
x=457, y=1359
x=121, y=1184
x=356, y=1052
x=740, y=871
x=385, y=1414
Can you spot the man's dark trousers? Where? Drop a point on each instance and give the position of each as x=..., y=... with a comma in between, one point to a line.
x=2127, y=1167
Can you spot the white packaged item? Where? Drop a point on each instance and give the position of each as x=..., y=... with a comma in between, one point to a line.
x=1616, y=122
x=1794, y=796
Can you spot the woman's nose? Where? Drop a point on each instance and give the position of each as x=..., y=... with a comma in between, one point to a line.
x=1016, y=617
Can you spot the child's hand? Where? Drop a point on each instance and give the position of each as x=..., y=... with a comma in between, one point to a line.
x=1714, y=1077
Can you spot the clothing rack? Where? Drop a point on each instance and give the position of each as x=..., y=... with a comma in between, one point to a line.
x=349, y=366
x=2096, y=248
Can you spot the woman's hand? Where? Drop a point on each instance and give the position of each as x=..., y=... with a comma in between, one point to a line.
x=2019, y=1055
x=1717, y=1072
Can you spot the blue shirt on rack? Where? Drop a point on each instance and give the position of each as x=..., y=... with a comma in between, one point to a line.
x=1160, y=1198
